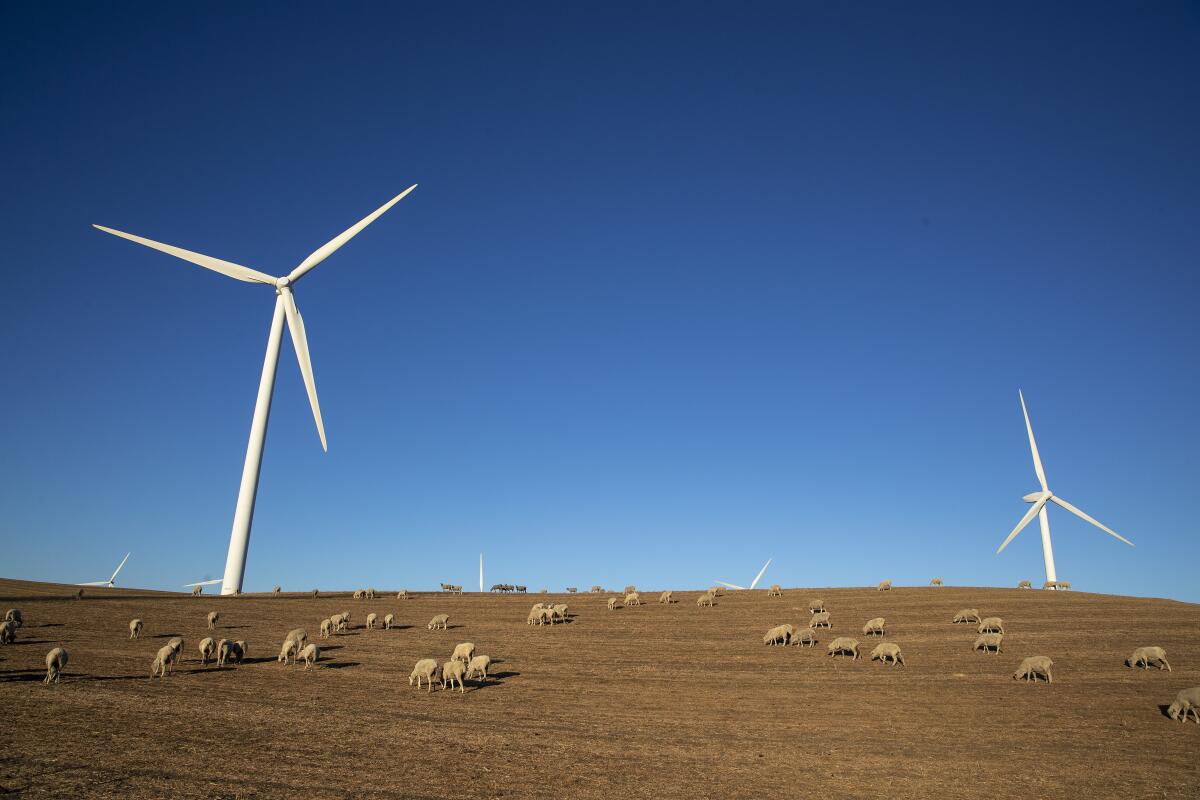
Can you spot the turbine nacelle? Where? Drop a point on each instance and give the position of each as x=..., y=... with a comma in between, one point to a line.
x=1033, y=497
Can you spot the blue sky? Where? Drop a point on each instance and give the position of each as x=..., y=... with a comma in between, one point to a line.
x=681, y=289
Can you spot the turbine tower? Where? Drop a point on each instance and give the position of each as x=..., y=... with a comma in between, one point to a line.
x=285, y=307
x=110, y=582
x=1040, y=499
x=756, y=578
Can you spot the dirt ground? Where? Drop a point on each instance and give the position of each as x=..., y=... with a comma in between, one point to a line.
x=656, y=701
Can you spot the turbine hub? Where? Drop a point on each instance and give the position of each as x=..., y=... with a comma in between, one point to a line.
x=283, y=282
x=1033, y=497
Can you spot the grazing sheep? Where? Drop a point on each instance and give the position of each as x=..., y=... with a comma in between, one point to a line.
x=633, y=599
x=816, y=606
x=8, y=632
x=874, y=627
x=775, y=591
x=135, y=629
x=426, y=668
x=79, y=594
x=463, y=652
x=1033, y=668
x=967, y=615
x=705, y=599
x=440, y=622
x=991, y=625
x=388, y=621
x=197, y=591
x=887, y=652
x=1187, y=701
x=213, y=616
x=1065, y=585
x=1050, y=585
x=572, y=589
x=13, y=615
x=345, y=620
x=277, y=590
x=164, y=662
x=370, y=593
x=299, y=634
x=535, y=617
x=326, y=628
x=288, y=651
x=453, y=671
x=612, y=603
x=479, y=666
x=666, y=598
x=402, y=594
x=235, y=651
x=989, y=642
x=884, y=586
x=1147, y=657
x=340, y=622
x=1024, y=585
x=780, y=634
x=316, y=593
x=371, y=620
x=820, y=620
x=208, y=648
x=804, y=636
x=358, y=594
x=56, y=662
x=844, y=645
x=546, y=615
x=716, y=591
x=176, y=642
x=936, y=582
x=560, y=611
x=597, y=589
x=310, y=654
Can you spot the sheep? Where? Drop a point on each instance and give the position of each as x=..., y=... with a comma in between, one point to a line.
x=164, y=661
x=543, y=590
x=1187, y=701
x=816, y=606
x=884, y=586
x=299, y=634
x=388, y=621
x=453, y=671
x=666, y=598
x=560, y=610
x=311, y=654
x=197, y=591
x=479, y=666
x=426, y=668
x=277, y=590
x=463, y=652
x=633, y=599
x=135, y=629
x=887, y=651
x=340, y=622
x=1033, y=668
x=208, y=648
x=1025, y=585
x=705, y=599
x=369, y=594
x=8, y=632
x=572, y=589
x=326, y=628
x=56, y=662
x=820, y=620
x=546, y=615
x=1050, y=585
x=874, y=627
x=1147, y=657
x=991, y=625
x=358, y=594
x=235, y=651
x=780, y=634
x=176, y=642
x=13, y=615
x=716, y=591
x=440, y=622
x=213, y=616
x=936, y=582
x=989, y=642
x=345, y=620
x=967, y=615
x=1065, y=585
x=597, y=589
x=289, y=650
x=775, y=591
x=402, y=594
x=804, y=636
x=844, y=645
x=79, y=594
x=534, y=618
x=612, y=604
x=316, y=593
x=371, y=620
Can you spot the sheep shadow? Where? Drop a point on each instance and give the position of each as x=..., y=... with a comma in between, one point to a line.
x=164, y=635
x=1164, y=708
x=396, y=627
x=341, y=665
x=49, y=625
x=260, y=660
x=493, y=679
x=32, y=641
x=332, y=647
x=34, y=675
x=232, y=627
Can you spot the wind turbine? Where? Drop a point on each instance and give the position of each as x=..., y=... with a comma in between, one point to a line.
x=756, y=578
x=1040, y=499
x=110, y=582
x=285, y=306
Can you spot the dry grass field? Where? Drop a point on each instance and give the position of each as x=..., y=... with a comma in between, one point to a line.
x=654, y=702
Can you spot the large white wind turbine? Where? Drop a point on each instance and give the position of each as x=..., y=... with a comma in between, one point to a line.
x=1040, y=499
x=756, y=578
x=110, y=582
x=285, y=306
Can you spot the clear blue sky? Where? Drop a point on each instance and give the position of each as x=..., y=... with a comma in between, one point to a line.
x=680, y=290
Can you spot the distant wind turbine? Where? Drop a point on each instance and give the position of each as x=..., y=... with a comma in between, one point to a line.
x=756, y=578
x=285, y=306
x=1039, y=500
x=110, y=582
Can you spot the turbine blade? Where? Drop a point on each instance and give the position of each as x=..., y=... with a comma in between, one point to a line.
x=208, y=262
x=329, y=248
x=205, y=583
x=1037, y=459
x=93, y=583
x=123, y=560
x=1086, y=518
x=732, y=585
x=1025, y=520
x=760, y=573
x=300, y=342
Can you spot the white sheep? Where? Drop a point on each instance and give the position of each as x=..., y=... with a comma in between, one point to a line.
x=463, y=652
x=425, y=669
x=716, y=591
x=936, y=582
x=804, y=636
x=402, y=594
x=1033, y=668
x=197, y=591
x=299, y=634
x=967, y=615
x=1025, y=585
x=989, y=642
x=597, y=589
x=1064, y=585
x=453, y=671
x=874, y=627
x=884, y=586
x=887, y=652
x=56, y=662
x=277, y=590
x=231, y=651
x=705, y=599
x=176, y=642
x=780, y=634
x=340, y=622
x=371, y=620
x=633, y=599
x=666, y=598
x=135, y=629
x=288, y=651
x=991, y=625
x=326, y=628
x=816, y=606
x=8, y=632
x=844, y=645
x=358, y=594
x=370, y=593
x=440, y=622
x=388, y=621
x=208, y=649
x=164, y=661
x=345, y=620
x=1187, y=701
x=820, y=620
x=560, y=610
x=1147, y=657
x=310, y=654
x=479, y=666
x=13, y=615
x=775, y=591
x=213, y=616
x=612, y=603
